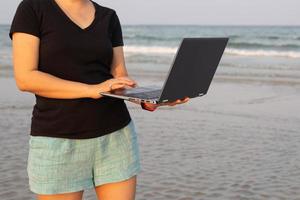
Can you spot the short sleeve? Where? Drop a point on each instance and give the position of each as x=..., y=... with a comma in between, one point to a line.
x=117, y=36
x=25, y=20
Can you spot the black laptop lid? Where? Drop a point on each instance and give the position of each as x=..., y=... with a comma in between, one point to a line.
x=193, y=68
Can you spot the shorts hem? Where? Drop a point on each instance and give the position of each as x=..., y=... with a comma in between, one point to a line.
x=42, y=188
x=101, y=181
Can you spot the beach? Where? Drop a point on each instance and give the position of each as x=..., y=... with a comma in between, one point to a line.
x=241, y=141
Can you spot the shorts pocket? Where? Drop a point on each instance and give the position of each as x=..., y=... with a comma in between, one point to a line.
x=51, y=144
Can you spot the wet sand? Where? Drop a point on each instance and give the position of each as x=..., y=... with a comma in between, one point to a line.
x=241, y=141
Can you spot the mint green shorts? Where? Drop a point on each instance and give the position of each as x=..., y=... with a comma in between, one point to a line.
x=60, y=165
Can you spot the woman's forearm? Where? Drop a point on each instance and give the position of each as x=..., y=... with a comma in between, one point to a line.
x=47, y=85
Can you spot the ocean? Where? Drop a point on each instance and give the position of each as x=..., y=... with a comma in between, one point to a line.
x=262, y=53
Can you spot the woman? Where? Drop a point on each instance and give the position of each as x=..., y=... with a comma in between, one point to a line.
x=66, y=52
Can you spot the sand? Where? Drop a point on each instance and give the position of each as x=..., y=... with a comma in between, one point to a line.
x=241, y=141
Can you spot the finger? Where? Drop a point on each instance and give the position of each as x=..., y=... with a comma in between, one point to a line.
x=132, y=80
x=181, y=101
x=184, y=100
x=174, y=102
x=154, y=106
x=178, y=102
x=128, y=82
x=127, y=79
x=118, y=86
x=170, y=103
x=134, y=83
x=151, y=105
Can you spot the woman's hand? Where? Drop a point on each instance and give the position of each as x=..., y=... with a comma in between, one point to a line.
x=110, y=85
x=152, y=107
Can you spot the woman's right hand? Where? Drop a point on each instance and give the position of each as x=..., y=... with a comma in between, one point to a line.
x=109, y=85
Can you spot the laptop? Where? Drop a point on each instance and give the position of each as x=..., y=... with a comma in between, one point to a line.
x=190, y=75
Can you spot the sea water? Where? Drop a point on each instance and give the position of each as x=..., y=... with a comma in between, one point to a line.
x=253, y=52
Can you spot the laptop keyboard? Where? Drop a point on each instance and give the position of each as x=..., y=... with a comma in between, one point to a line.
x=146, y=95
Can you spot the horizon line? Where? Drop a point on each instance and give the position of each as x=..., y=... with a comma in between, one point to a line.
x=171, y=24
x=293, y=25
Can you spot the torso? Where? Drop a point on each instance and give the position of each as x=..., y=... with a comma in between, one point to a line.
x=78, y=51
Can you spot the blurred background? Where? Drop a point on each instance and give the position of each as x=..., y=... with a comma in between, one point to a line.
x=241, y=141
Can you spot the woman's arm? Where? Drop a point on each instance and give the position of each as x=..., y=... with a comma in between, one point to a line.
x=29, y=78
x=118, y=68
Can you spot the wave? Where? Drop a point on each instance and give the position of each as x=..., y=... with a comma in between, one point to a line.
x=268, y=53
x=149, y=49
x=175, y=38
x=270, y=37
x=261, y=45
x=161, y=50
x=151, y=37
x=273, y=37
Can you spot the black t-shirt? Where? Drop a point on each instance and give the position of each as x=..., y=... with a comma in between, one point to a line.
x=72, y=53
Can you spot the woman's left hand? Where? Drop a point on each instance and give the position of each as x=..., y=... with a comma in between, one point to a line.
x=152, y=107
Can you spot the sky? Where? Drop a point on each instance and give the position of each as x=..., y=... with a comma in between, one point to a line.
x=198, y=12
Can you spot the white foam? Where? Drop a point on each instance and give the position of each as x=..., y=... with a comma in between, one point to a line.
x=131, y=50
x=149, y=50
x=270, y=53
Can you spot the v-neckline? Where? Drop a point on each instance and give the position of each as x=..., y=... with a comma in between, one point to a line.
x=71, y=21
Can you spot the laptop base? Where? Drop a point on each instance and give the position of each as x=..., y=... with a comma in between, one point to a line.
x=149, y=94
